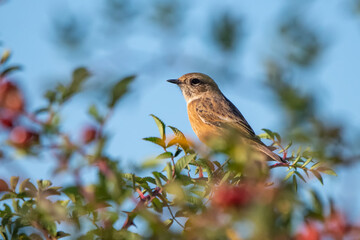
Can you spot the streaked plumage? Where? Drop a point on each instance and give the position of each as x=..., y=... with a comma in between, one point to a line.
x=211, y=114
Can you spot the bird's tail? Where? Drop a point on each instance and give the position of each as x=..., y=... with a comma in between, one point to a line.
x=272, y=155
x=264, y=149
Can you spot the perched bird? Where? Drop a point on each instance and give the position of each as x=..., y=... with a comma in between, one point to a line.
x=212, y=115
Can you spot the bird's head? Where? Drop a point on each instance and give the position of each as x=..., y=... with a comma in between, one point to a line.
x=195, y=85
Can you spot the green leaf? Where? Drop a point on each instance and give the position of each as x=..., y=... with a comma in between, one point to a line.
x=93, y=111
x=26, y=184
x=79, y=75
x=300, y=176
x=326, y=170
x=119, y=89
x=183, y=162
x=178, y=151
x=149, y=179
x=270, y=134
x=5, y=56
x=278, y=137
x=128, y=176
x=317, y=205
x=155, y=140
x=307, y=162
x=289, y=145
x=168, y=170
x=318, y=176
x=165, y=155
x=194, y=200
x=51, y=228
x=43, y=184
x=225, y=177
x=13, y=182
x=50, y=96
x=182, y=213
x=73, y=193
x=9, y=70
x=40, y=184
x=295, y=183
x=35, y=236
x=41, y=110
x=151, y=163
x=61, y=234
x=158, y=206
x=161, y=126
x=296, y=160
x=298, y=151
x=157, y=179
x=163, y=177
x=179, y=139
x=78, y=78
x=186, y=180
x=289, y=175
x=168, y=223
x=63, y=203
x=16, y=205
x=264, y=136
x=218, y=165
x=315, y=165
x=8, y=196
x=306, y=172
x=7, y=208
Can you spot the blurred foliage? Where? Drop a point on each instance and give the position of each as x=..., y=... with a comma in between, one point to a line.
x=301, y=47
x=356, y=7
x=167, y=13
x=182, y=193
x=185, y=195
x=227, y=32
x=71, y=31
x=302, y=44
x=118, y=10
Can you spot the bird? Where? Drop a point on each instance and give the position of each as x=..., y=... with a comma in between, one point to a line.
x=212, y=115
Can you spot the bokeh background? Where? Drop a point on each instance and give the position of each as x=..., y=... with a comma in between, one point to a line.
x=272, y=59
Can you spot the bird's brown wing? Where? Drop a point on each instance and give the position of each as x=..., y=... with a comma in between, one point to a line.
x=222, y=113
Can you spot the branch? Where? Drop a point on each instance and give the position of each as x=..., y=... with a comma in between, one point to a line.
x=279, y=165
x=170, y=211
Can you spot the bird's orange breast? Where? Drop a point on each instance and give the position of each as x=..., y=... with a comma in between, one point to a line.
x=202, y=130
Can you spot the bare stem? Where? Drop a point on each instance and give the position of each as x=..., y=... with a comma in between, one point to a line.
x=279, y=165
x=170, y=211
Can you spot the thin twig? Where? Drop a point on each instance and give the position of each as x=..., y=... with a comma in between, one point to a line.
x=46, y=234
x=279, y=165
x=170, y=211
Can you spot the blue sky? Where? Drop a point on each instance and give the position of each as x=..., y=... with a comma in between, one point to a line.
x=26, y=27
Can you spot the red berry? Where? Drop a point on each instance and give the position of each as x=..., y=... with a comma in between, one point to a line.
x=89, y=134
x=22, y=137
x=7, y=118
x=227, y=196
x=308, y=232
x=335, y=224
x=6, y=122
x=11, y=97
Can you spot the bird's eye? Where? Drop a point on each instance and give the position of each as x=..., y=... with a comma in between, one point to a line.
x=195, y=81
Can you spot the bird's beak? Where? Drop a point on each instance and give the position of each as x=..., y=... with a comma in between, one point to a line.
x=175, y=81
